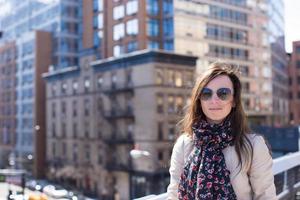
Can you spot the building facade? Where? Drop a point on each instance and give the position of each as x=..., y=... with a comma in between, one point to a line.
x=8, y=67
x=97, y=113
x=294, y=82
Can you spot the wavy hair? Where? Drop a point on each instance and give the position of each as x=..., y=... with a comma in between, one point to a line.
x=194, y=113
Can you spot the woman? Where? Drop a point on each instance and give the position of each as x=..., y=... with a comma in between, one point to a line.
x=217, y=158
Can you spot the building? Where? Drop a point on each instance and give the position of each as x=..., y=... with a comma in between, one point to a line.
x=97, y=113
x=280, y=85
x=45, y=33
x=8, y=67
x=294, y=81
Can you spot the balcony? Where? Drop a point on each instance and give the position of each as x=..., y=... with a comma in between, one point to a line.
x=114, y=88
x=118, y=113
x=119, y=138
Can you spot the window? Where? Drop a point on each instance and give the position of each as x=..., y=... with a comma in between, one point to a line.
x=63, y=107
x=298, y=64
x=178, y=79
x=75, y=131
x=153, y=45
x=118, y=12
x=53, y=110
x=160, y=130
x=171, y=132
x=119, y=31
x=179, y=104
x=63, y=130
x=75, y=87
x=160, y=103
x=118, y=50
x=131, y=7
x=100, y=21
x=152, y=7
x=159, y=76
x=64, y=88
x=170, y=77
x=64, y=149
x=132, y=27
x=160, y=155
x=189, y=78
x=99, y=82
x=86, y=107
x=75, y=151
x=132, y=46
x=74, y=108
x=86, y=84
x=153, y=28
x=171, y=104
x=98, y=5
x=298, y=50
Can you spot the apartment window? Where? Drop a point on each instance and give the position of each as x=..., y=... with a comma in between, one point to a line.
x=118, y=50
x=86, y=107
x=98, y=5
x=75, y=108
x=87, y=152
x=64, y=88
x=189, y=79
x=160, y=131
x=171, y=104
x=100, y=21
x=132, y=27
x=119, y=31
x=131, y=7
x=75, y=87
x=171, y=77
x=171, y=132
x=53, y=110
x=178, y=79
x=63, y=107
x=54, y=149
x=100, y=104
x=99, y=81
x=64, y=149
x=153, y=28
x=159, y=76
x=179, y=104
x=75, y=151
x=53, y=130
x=119, y=12
x=159, y=103
x=100, y=158
x=86, y=129
x=152, y=7
x=132, y=46
x=75, y=131
x=114, y=80
x=87, y=84
x=153, y=45
x=63, y=130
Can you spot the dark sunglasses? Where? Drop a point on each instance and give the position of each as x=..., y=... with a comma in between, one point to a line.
x=222, y=93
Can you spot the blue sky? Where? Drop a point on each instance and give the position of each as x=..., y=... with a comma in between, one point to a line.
x=292, y=22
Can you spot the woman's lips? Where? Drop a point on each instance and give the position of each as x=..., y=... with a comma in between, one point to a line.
x=215, y=109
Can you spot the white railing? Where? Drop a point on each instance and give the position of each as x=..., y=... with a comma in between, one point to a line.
x=280, y=165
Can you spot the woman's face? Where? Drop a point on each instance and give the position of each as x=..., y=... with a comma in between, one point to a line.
x=217, y=99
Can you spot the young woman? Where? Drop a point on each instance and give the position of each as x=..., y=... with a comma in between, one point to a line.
x=217, y=157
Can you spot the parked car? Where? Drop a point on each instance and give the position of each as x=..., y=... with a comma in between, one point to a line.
x=55, y=191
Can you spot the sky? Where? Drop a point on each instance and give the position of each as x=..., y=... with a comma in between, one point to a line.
x=292, y=23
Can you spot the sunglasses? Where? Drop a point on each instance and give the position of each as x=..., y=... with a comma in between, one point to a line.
x=222, y=93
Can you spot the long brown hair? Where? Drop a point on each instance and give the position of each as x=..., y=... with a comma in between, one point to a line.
x=240, y=127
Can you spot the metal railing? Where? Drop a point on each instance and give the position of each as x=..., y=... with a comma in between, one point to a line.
x=286, y=170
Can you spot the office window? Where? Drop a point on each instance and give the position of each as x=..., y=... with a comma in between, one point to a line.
x=159, y=78
x=119, y=31
x=160, y=131
x=132, y=7
x=171, y=104
x=100, y=21
x=132, y=27
x=99, y=81
x=64, y=88
x=178, y=79
x=153, y=45
x=119, y=12
x=152, y=7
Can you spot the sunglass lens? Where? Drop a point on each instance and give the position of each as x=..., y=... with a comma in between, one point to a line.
x=224, y=93
x=206, y=94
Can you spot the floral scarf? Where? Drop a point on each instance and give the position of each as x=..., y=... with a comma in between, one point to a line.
x=205, y=175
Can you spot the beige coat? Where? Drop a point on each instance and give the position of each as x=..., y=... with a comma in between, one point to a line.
x=253, y=182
